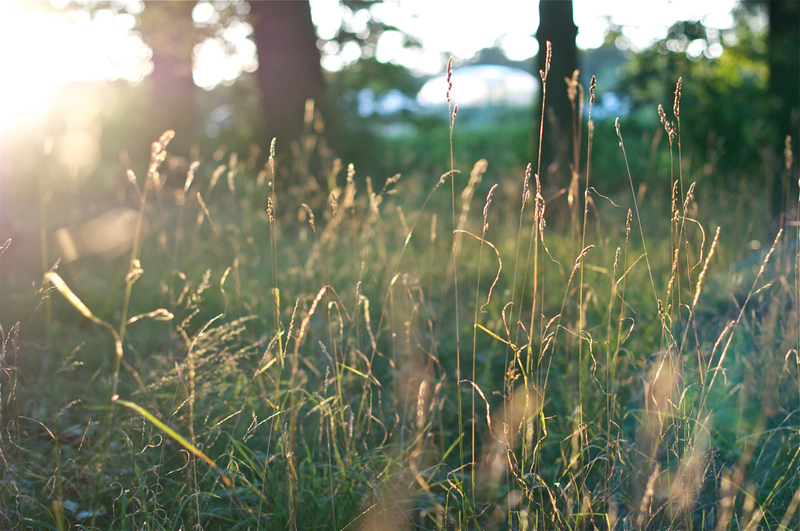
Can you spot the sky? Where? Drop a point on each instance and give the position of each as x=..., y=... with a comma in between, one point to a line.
x=45, y=51
x=464, y=27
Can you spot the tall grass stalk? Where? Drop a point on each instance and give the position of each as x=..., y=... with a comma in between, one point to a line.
x=466, y=491
x=638, y=218
x=158, y=154
x=529, y=453
x=575, y=172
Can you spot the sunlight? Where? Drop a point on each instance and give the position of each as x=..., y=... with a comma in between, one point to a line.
x=49, y=47
x=221, y=60
x=45, y=51
x=639, y=24
x=461, y=29
x=229, y=52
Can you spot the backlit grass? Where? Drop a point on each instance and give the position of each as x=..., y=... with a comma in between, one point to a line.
x=476, y=348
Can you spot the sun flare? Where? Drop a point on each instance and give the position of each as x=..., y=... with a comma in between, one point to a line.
x=46, y=50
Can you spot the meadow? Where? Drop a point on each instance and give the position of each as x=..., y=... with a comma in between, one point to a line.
x=290, y=346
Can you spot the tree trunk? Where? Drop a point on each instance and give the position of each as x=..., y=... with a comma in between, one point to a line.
x=556, y=25
x=289, y=69
x=168, y=29
x=783, y=59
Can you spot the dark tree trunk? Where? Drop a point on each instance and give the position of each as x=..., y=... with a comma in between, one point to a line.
x=168, y=29
x=783, y=59
x=289, y=69
x=556, y=25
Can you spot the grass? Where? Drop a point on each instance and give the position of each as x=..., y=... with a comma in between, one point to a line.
x=459, y=350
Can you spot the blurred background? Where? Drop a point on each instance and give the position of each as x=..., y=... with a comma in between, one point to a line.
x=89, y=85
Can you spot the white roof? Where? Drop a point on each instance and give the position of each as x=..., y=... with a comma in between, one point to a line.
x=481, y=85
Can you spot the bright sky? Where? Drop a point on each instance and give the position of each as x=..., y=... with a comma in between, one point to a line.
x=464, y=27
x=44, y=51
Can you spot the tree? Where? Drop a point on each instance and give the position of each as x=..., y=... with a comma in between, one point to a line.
x=289, y=71
x=783, y=61
x=556, y=25
x=167, y=28
x=737, y=105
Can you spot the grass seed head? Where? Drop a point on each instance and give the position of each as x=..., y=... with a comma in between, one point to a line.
x=689, y=197
x=449, y=76
x=486, y=206
x=190, y=176
x=628, y=222
x=572, y=85
x=548, y=56
x=526, y=185
x=787, y=152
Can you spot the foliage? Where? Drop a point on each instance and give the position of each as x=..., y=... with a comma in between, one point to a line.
x=361, y=133
x=724, y=103
x=368, y=30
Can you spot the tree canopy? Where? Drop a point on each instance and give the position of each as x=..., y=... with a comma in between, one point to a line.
x=739, y=97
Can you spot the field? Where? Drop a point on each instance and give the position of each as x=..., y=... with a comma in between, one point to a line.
x=471, y=348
